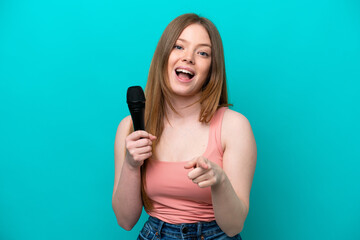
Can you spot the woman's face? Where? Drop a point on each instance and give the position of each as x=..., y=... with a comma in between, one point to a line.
x=190, y=61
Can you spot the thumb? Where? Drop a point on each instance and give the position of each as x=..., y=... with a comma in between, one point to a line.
x=152, y=137
x=190, y=164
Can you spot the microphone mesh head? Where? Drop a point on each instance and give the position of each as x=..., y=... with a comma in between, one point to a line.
x=135, y=94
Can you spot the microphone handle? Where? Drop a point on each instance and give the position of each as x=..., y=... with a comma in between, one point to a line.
x=137, y=115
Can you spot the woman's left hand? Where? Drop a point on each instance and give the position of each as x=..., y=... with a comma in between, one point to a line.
x=205, y=173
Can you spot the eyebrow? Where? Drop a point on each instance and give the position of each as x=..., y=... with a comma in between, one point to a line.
x=201, y=44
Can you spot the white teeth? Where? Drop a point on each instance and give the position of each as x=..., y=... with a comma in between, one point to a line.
x=184, y=71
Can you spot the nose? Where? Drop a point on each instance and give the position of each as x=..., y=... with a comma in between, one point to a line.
x=188, y=57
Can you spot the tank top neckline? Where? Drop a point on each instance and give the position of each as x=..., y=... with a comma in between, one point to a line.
x=211, y=128
x=182, y=162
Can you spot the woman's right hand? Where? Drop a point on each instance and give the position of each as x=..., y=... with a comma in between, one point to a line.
x=138, y=148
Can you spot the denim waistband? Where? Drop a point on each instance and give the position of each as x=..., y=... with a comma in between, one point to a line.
x=199, y=230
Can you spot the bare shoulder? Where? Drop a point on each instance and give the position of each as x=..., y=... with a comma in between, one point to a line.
x=235, y=126
x=124, y=125
x=232, y=116
x=235, y=121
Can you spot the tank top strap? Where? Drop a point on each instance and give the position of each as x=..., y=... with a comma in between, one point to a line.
x=215, y=130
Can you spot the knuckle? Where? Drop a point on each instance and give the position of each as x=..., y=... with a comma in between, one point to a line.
x=128, y=137
x=128, y=144
x=132, y=151
x=138, y=134
x=132, y=136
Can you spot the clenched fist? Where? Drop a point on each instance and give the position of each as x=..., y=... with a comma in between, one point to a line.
x=138, y=148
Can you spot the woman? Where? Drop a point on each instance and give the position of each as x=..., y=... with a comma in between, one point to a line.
x=192, y=168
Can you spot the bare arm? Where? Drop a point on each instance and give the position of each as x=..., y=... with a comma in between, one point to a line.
x=230, y=186
x=130, y=153
x=239, y=163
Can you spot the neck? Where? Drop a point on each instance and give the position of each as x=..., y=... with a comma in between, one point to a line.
x=187, y=108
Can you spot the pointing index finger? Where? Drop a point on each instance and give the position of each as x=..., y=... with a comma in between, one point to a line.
x=197, y=162
x=202, y=163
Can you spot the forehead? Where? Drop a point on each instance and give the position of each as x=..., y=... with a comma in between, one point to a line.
x=195, y=33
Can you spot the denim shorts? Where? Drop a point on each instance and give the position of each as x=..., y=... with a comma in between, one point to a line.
x=157, y=229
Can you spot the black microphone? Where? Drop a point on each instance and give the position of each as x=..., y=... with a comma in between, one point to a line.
x=135, y=99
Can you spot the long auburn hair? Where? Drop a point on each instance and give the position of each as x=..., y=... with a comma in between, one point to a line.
x=158, y=91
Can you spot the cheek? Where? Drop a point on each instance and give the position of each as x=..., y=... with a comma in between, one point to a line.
x=205, y=69
x=171, y=62
x=172, y=57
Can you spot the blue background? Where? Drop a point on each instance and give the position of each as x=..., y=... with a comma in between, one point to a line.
x=293, y=70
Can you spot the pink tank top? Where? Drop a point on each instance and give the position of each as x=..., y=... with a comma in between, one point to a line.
x=176, y=199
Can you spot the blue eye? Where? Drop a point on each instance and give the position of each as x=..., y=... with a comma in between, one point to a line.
x=178, y=47
x=205, y=54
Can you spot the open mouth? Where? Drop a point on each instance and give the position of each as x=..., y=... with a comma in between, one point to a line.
x=184, y=74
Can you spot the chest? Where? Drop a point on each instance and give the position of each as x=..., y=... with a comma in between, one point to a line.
x=179, y=144
x=168, y=182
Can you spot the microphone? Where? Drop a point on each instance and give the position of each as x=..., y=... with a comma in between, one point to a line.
x=135, y=99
